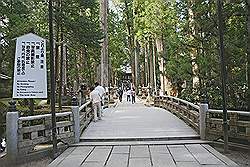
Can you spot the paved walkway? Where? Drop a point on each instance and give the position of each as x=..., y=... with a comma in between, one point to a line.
x=137, y=121
x=138, y=136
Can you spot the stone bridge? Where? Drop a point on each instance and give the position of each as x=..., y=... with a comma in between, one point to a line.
x=173, y=133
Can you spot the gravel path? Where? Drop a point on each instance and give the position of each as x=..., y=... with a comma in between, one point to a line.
x=241, y=157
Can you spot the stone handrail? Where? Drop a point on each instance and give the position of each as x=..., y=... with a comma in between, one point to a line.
x=208, y=122
x=35, y=117
x=185, y=110
x=34, y=130
x=86, y=115
x=24, y=133
x=238, y=121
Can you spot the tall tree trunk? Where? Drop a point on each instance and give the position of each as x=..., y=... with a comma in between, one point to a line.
x=192, y=33
x=57, y=57
x=60, y=84
x=248, y=54
x=146, y=70
x=159, y=46
x=131, y=40
x=147, y=65
x=151, y=66
x=1, y=55
x=143, y=68
x=154, y=66
x=137, y=65
x=104, y=49
x=77, y=69
x=64, y=80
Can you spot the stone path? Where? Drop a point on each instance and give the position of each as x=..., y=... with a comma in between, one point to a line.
x=193, y=155
x=138, y=136
x=137, y=121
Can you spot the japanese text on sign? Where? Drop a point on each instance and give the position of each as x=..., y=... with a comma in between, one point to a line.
x=30, y=73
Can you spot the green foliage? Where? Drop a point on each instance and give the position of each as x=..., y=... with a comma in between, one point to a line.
x=117, y=42
x=188, y=29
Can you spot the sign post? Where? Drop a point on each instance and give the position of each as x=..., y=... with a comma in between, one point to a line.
x=30, y=71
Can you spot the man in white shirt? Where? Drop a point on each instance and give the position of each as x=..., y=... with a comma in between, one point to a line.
x=101, y=92
x=96, y=103
x=100, y=89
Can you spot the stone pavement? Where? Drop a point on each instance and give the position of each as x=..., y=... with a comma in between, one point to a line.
x=137, y=121
x=193, y=155
x=132, y=135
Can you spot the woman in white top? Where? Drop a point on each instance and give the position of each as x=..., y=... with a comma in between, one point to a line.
x=128, y=95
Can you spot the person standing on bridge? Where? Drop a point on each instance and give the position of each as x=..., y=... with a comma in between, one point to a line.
x=128, y=94
x=120, y=93
x=96, y=103
x=133, y=95
x=101, y=92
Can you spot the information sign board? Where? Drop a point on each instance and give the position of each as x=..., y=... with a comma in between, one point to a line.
x=30, y=71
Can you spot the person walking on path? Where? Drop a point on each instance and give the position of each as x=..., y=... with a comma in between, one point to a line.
x=101, y=92
x=128, y=95
x=120, y=93
x=133, y=95
x=96, y=103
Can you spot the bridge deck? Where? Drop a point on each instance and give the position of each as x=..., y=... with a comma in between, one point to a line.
x=138, y=136
x=137, y=121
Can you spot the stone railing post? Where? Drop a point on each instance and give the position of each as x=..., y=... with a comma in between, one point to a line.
x=203, y=112
x=12, y=132
x=76, y=118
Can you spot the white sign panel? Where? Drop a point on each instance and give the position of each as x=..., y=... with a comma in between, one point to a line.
x=30, y=73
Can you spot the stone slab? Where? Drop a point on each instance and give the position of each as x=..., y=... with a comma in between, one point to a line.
x=91, y=164
x=139, y=152
x=203, y=156
x=181, y=154
x=118, y=160
x=187, y=164
x=162, y=160
x=139, y=162
x=159, y=149
x=73, y=160
x=61, y=157
x=82, y=150
x=98, y=155
x=120, y=150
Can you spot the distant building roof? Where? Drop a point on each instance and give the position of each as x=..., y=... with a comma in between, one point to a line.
x=4, y=77
x=127, y=69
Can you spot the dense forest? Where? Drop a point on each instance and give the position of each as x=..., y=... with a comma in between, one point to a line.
x=179, y=41
x=171, y=45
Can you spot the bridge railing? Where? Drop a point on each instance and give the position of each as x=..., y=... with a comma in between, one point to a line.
x=181, y=108
x=25, y=133
x=238, y=121
x=207, y=122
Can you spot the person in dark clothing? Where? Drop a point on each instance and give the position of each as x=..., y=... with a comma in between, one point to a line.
x=133, y=95
x=120, y=93
x=83, y=91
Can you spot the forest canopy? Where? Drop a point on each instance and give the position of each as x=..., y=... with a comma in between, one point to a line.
x=170, y=45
